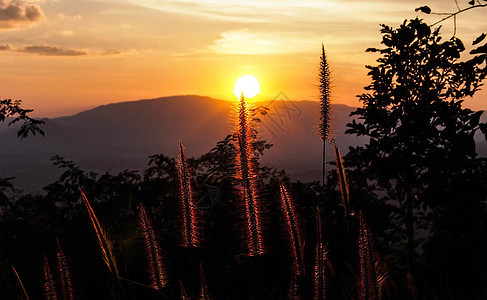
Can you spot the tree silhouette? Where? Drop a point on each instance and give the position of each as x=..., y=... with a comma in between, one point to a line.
x=447, y=15
x=12, y=109
x=421, y=156
x=9, y=108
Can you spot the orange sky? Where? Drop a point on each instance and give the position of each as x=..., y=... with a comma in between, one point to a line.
x=63, y=56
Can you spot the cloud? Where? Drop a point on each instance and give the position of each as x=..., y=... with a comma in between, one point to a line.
x=5, y=47
x=245, y=41
x=272, y=11
x=13, y=14
x=119, y=52
x=52, y=51
x=65, y=33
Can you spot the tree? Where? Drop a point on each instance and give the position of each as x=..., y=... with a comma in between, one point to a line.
x=421, y=153
x=9, y=108
x=472, y=4
x=12, y=109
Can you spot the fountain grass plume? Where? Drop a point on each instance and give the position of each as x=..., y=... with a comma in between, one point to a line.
x=324, y=127
x=204, y=295
x=293, y=228
x=246, y=173
x=64, y=274
x=372, y=279
x=344, y=188
x=324, y=77
x=103, y=240
x=183, y=294
x=191, y=228
x=49, y=284
x=153, y=252
x=294, y=286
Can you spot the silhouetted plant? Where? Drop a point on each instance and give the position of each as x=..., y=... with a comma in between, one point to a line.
x=246, y=175
x=9, y=109
x=293, y=230
x=319, y=274
x=65, y=285
x=103, y=240
x=20, y=284
x=421, y=154
x=325, y=101
x=191, y=227
x=49, y=284
x=204, y=295
x=371, y=280
x=153, y=252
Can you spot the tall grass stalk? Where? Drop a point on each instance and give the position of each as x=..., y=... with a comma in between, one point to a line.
x=64, y=274
x=246, y=175
x=49, y=284
x=293, y=227
x=191, y=235
x=184, y=295
x=372, y=278
x=319, y=291
x=103, y=240
x=344, y=188
x=324, y=128
x=204, y=295
x=153, y=252
x=294, y=287
x=21, y=284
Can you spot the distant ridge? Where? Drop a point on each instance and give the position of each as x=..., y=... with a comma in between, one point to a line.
x=122, y=135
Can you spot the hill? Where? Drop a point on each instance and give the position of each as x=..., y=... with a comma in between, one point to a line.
x=122, y=135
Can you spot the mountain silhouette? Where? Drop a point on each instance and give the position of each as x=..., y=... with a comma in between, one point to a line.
x=122, y=135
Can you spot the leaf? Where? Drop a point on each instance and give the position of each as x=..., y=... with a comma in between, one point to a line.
x=481, y=49
x=479, y=39
x=460, y=45
x=471, y=2
x=483, y=129
x=475, y=118
x=424, y=9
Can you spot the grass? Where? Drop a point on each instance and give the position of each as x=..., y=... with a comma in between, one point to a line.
x=309, y=272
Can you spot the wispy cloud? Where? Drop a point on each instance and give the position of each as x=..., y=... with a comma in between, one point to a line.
x=15, y=13
x=52, y=51
x=271, y=11
x=260, y=42
x=120, y=52
x=5, y=47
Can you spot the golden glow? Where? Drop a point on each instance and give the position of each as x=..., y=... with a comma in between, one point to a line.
x=248, y=85
x=149, y=59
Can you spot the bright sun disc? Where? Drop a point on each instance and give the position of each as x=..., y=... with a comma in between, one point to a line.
x=248, y=85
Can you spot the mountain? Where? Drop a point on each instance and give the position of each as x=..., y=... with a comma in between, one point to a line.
x=122, y=135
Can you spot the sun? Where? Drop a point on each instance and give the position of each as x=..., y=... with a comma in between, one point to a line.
x=248, y=85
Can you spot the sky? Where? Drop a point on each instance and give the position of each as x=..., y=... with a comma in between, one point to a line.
x=64, y=56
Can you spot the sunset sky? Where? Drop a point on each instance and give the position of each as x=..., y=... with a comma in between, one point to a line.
x=64, y=56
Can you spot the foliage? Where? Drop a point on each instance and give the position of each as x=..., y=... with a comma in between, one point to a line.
x=472, y=4
x=9, y=108
x=30, y=225
x=421, y=156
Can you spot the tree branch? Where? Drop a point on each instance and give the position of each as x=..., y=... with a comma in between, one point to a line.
x=449, y=15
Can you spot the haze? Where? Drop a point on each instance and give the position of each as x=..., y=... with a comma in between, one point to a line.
x=63, y=56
